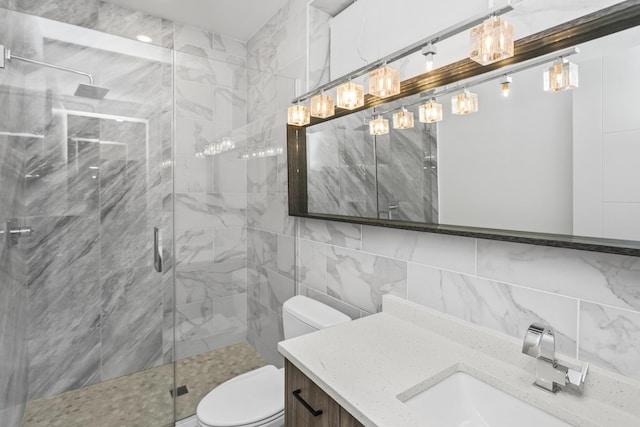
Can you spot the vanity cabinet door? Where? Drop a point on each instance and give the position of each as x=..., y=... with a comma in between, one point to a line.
x=347, y=420
x=304, y=399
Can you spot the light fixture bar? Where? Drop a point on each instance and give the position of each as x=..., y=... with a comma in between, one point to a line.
x=415, y=47
x=484, y=78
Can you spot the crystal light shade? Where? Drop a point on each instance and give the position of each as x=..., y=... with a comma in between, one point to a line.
x=322, y=106
x=379, y=126
x=403, y=120
x=298, y=115
x=430, y=112
x=464, y=103
x=561, y=76
x=491, y=41
x=350, y=96
x=384, y=82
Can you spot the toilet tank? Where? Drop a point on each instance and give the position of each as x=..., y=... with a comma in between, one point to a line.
x=301, y=315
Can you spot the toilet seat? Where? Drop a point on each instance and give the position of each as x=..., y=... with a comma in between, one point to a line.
x=249, y=400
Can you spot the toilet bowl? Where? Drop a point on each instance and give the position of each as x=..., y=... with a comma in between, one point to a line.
x=256, y=398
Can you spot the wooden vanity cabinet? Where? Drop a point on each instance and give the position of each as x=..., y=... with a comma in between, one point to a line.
x=304, y=400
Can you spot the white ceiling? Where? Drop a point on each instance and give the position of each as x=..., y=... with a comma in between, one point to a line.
x=239, y=19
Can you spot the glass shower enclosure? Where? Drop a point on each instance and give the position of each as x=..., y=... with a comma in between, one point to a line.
x=86, y=226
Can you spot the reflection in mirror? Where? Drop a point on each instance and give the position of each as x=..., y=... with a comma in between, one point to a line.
x=562, y=163
x=391, y=176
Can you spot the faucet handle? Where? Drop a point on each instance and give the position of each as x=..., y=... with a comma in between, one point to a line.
x=576, y=379
x=539, y=341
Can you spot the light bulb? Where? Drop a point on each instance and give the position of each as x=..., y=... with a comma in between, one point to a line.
x=429, y=51
x=506, y=86
x=429, y=61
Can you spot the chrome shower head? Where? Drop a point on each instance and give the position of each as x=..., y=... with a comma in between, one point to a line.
x=91, y=91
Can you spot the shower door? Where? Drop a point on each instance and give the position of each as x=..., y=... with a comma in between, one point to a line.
x=86, y=323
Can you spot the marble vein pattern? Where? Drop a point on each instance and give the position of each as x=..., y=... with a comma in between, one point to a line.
x=199, y=282
x=230, y=244
x=592, y=276
x=361, y=279
x=504, y=308
x=193, y=174
x=262, y=248
x=194, y=100
x=215, y=209
x=334, y=233
x=261, y=175
x=447, y=252
x=319, y=47
x=610, y=337
x=312, y=264
x=194, y=246
x=193, y=40
x=131, y=321
x=270, y=212
x=269, y=288
x=265, y=330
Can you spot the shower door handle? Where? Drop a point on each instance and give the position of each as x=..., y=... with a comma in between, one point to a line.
x=157, y=249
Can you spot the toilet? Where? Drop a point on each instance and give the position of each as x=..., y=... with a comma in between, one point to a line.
x=256, y=398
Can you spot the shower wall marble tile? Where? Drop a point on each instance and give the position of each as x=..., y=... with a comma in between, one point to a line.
x=84, y=278
x=20, y=126
x=275, y=58
x=211, y=193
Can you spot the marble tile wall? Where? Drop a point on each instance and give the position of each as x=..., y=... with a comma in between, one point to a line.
x=591, y=299
x=211, y=192
x=276, y=58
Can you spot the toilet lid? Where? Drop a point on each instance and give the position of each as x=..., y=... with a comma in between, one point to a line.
x=245, y=399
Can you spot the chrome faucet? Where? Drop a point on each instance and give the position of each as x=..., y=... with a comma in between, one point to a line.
x=539, y=342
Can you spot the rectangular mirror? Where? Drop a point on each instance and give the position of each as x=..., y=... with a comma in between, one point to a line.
x=539, y=167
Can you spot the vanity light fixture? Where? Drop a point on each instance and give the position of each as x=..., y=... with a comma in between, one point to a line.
x=491, y=41
x=464, y=103
x=431, y=112
x=429, y=51
x=403, y=119
x=561, y=76
x=379, y=126
x=322, y=106
x=506, y=85
x=350, y=96
x=384, y=82
x=298, y=115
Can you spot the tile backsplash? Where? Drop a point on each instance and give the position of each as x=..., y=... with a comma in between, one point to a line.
x=589, y=298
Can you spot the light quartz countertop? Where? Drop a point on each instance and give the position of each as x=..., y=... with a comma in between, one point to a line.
x=371, y=365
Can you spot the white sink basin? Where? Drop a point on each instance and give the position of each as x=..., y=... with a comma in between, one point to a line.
x=464, y=401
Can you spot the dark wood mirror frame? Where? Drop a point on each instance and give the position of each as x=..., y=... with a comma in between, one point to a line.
x=604, y=22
